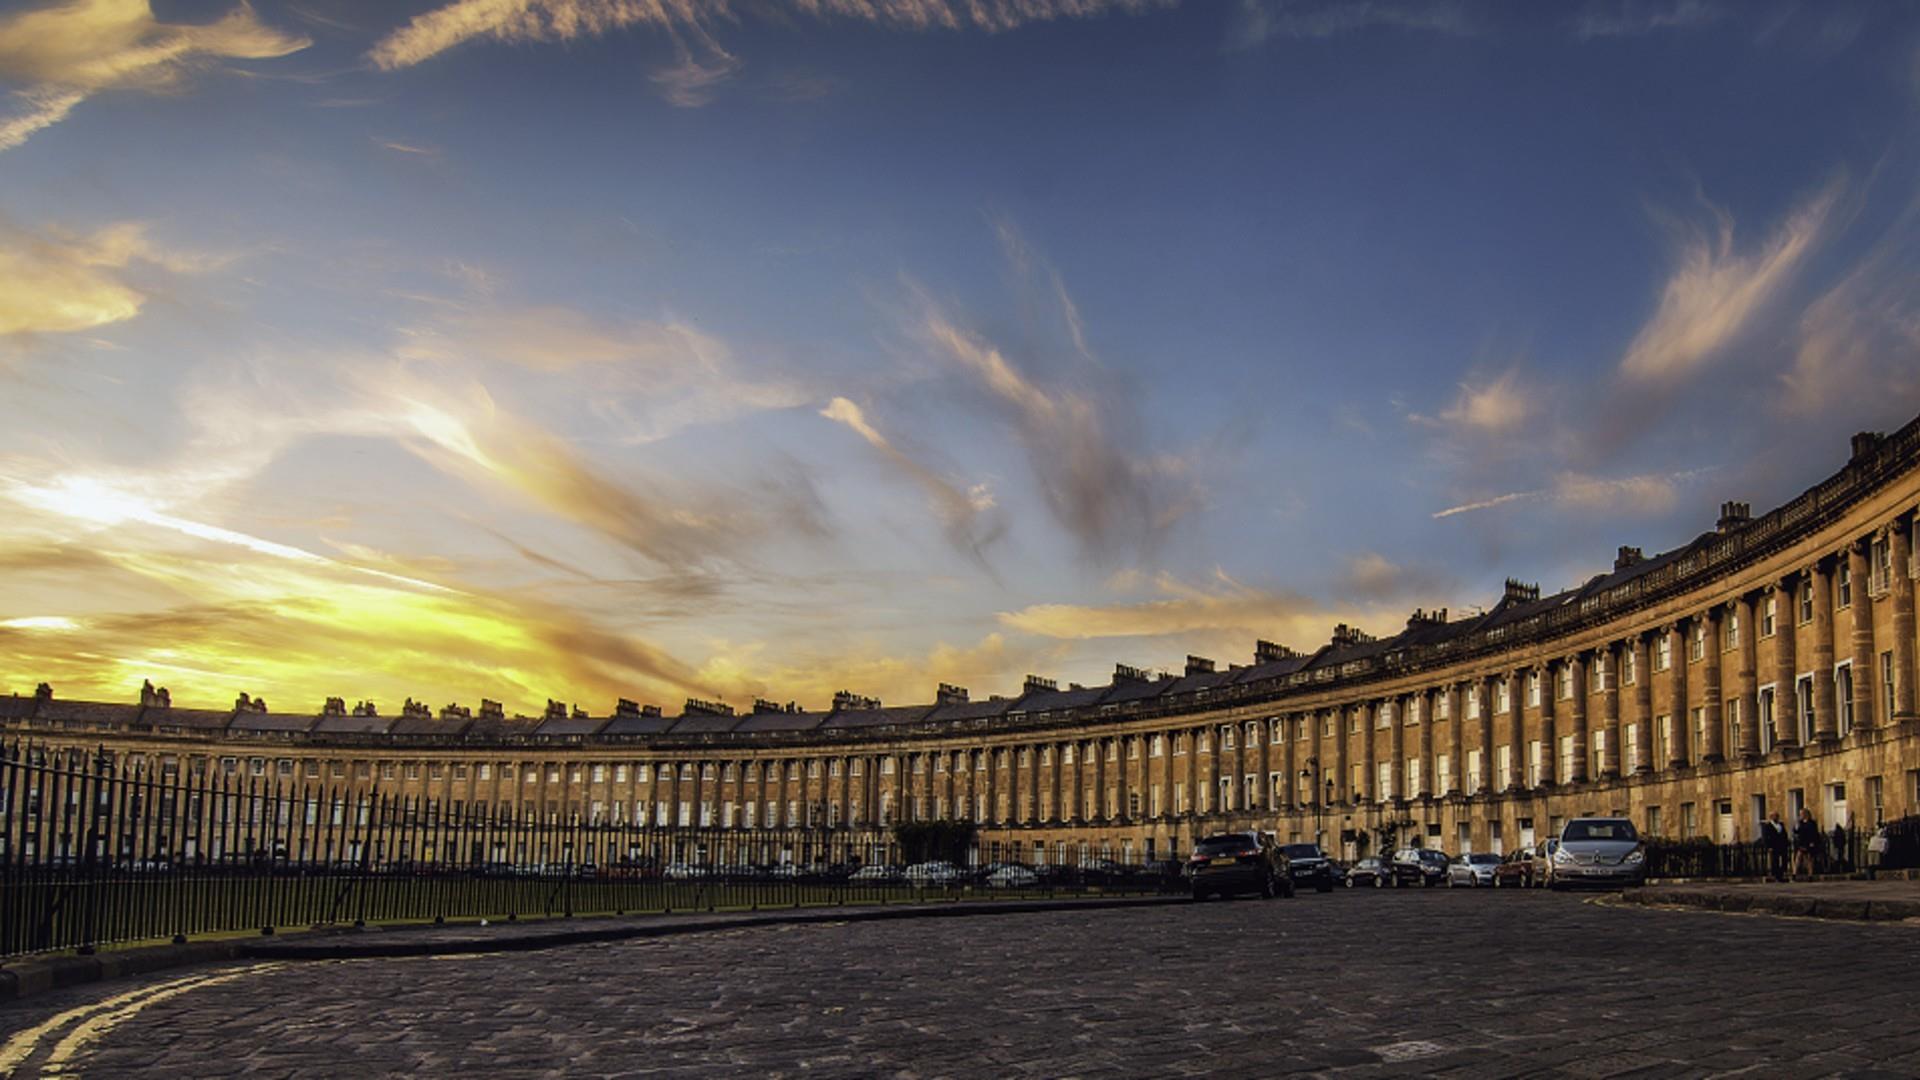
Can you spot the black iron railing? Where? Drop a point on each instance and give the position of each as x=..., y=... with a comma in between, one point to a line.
x=91, y=857
x=1845, y=851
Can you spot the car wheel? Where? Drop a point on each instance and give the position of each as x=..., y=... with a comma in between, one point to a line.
x=1267, y=890
x=1349, y=881
x=1496, y=881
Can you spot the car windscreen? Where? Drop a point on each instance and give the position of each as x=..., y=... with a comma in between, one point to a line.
x=1221, y=845
x=1302, y=851
x=1599, y=830
x=1483, y=859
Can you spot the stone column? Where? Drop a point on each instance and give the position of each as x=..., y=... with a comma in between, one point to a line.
x=1122, y=744
x=1786, y=706
x=1747, y=670
x=1549, y=747
x=1865, y=678
x=1033, y=786
x=1517, y=727
x=1610, y=709
x=1900, y=543
x=1396, y=746
x=1013, y=784
x=1826, y=717
x=1489, y=764
x=1456, y=732
x=1193, y=771
x=1713, y=746
x=1578, y=721
x=1677, y=696
x=1343, y=720
x=1369, y=789
x=1292, y=775
x=1642, y=704
x=1427, y=779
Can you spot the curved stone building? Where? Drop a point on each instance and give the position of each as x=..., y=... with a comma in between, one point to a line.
x=1766, y=665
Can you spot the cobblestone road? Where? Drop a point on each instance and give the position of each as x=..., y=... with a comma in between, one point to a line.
x=1366, y=983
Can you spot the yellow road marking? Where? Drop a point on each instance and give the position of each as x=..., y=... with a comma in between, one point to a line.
x=100, y=1023
x=21, y=1046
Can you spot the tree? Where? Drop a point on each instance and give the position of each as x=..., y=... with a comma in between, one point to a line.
x=924, y=841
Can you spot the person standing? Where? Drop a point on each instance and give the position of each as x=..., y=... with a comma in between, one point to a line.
x=1774, y=832
x=1806, y=841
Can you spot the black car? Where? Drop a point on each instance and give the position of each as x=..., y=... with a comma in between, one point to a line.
x=1418, y=866
x=1308, y=865
x=1368, y=871
x=1240, y=862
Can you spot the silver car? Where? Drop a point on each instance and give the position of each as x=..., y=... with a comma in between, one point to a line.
x=1472, y=870
x=1598, y=851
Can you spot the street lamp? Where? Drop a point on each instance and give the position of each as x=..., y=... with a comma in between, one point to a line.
x=1319, y=805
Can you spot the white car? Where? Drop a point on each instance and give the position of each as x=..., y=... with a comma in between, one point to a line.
x=1012, y=876
x=938, y=872
x=1474, y=869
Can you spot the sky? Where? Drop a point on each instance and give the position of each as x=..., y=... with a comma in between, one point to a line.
x=654, y=349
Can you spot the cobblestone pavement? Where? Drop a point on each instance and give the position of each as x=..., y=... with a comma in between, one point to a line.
x=1486, y=984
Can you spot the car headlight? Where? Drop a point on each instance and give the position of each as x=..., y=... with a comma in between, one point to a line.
x=1561, y=855
x=1634, y=858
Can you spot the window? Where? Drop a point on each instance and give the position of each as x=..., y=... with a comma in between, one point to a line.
x=599, y=774
x=1157, y=746
x=1629, y=666
x=1353, y=718
x=1699, y=734
x=886, y=766
x=1565, y=689
x=1502, y=697
x=1473, y=772
x=1767, y=620
x=1843, y=585
x=1226, y=737
x=1876, y=802
x=1503, y=765
x=1443, y=706
x=1879, y=566
x=1383, y=716
x=1413, y=775
x=1803, y=688
x=1730, y=632
x=1473, y=702
x=1443, y=772
x=1697, y=647
x=1385, y=779
x=1662, y=653
x=1533, y=688
x=1806, y=602
x=1886, y=688
x=1653, y=822
x=1533, y=763
x=1843, y=695
x=1566, y=756
x=1689, y=826
x=1764, y=723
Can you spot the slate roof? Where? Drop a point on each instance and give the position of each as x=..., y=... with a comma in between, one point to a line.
x=449, y=727
x=891, y=714
x=637, y=725
x=187, y=719
x=1055, y=700
x=354, y=725
x=271, y=722
x=970, y=710
x=568, y=727
x=704, y=724
x=780, y=721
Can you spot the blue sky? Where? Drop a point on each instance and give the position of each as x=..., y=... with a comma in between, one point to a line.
x=583, y=348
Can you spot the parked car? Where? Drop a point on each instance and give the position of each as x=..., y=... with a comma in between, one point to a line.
x=877, y=874
x=1239, y=862
x=680, y=871
x=1523, y=869
x=1598, y=851
x=1308, y=865
x=1368, y=871
x=935, y=873
x=1417, y=866
x=1011, y=876
x=1473, y=869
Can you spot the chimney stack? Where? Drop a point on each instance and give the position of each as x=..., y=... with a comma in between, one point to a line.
x=1522, y=592
x=1266, y=652
x=1866, y=442
x=1627, y=557
x=1733, y=515
x=1037, y=685
x=1199, y=665
x=949, y=694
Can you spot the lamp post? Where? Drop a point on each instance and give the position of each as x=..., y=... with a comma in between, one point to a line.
x=1319, y=804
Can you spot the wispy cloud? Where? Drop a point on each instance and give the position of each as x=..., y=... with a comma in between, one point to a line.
x=966, y=512
x=1259, y=21
x=1488, y=406
x=56, y=282
x=434, y=32
x=64, y=53
x=1715, y=291
x=1646, y=494
x=1633, y=18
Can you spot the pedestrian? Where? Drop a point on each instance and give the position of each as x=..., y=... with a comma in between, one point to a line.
x=1806, y=841
x=1774, y=834
x=1841, y=863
